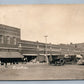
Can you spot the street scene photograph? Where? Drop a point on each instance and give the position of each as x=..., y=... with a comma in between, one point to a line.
x=42, y=42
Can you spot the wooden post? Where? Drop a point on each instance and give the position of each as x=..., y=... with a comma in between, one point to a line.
x=20, y=47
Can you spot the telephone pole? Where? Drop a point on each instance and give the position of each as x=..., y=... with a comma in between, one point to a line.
x=46, y=48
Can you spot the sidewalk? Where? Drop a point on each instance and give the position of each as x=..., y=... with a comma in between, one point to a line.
x=3, y=67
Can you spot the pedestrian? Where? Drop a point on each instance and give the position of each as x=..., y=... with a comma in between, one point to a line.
x=5, y=64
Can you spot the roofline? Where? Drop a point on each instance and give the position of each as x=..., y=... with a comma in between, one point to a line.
x=9, y=26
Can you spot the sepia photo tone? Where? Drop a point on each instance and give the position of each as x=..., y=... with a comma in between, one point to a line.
x=42, y=42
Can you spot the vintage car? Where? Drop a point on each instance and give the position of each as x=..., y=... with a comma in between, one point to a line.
x=64, y=59
x=57, y=60
x=81, y=61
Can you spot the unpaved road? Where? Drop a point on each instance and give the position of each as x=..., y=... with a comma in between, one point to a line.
x=42, y=72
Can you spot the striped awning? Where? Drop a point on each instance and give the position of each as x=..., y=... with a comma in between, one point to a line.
x=10, y=55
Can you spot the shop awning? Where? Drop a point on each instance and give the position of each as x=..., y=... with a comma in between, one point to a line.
x=10, y=55
x=79, y=56
x=29, y=54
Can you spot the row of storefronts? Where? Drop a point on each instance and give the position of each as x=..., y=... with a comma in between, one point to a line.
x=13, y=49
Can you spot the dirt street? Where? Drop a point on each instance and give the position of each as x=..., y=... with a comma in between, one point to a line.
x=41, y=72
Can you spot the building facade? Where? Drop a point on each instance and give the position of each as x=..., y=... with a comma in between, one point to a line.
x=13, y=48
x=9, y=36
x=9, y=39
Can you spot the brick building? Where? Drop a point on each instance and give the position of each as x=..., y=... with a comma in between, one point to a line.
x=9, y=38
x=13, y=49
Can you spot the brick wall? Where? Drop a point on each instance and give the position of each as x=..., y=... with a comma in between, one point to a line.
x=9, y=36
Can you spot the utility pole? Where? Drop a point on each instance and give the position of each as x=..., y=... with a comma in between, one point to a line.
x=50, y=58
x=46, y=49
x=37, y=51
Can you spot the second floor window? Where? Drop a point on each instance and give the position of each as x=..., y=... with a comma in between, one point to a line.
x=14, y=39
x=1, y=39
x=8, y=40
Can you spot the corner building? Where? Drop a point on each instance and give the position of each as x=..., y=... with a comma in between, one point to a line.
x=9, y=39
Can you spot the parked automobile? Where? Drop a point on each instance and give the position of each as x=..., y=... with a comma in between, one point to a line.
x=57, y=60
x=81, y=62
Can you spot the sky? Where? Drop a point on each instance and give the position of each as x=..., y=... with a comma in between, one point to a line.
x=61, y=23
